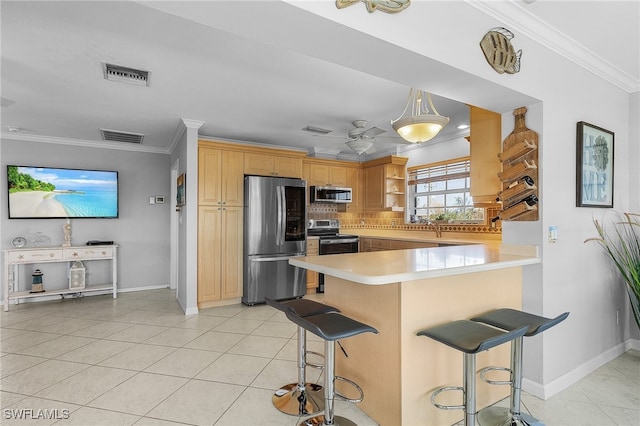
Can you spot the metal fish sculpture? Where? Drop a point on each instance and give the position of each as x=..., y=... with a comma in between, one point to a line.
x=388, y=6
x=499, y=52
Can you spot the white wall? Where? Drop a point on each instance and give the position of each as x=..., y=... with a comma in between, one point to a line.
x=141, y=229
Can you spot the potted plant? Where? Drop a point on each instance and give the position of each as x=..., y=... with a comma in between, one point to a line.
x=621, y=242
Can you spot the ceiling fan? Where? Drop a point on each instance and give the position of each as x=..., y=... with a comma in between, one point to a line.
x=360, y=138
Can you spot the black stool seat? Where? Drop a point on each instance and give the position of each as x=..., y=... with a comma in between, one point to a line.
x=302, y=307
x=470, y=337
x=300, y=398
x=331, y=326
x=509, y=319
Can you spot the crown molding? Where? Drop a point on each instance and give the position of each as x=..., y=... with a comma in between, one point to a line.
x=183, y=125
x=518, y=19
x=123, y=146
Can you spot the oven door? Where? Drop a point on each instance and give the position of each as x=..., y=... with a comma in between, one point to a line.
x=338, y=246
x=335, y=246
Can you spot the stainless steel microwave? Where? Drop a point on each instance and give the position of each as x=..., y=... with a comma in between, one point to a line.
x=330, y=194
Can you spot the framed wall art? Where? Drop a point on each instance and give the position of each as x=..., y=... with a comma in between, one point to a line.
x=594, y=166
x=181, y=197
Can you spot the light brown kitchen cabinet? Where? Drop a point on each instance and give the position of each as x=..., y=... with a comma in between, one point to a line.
x=374, y=197
x=385, y=184
x=272, y=164
x=220, y=209
x=313, y=247
x=403, y=244
x=354, y=181
x=485, y=138
x=374, y=244
x=219, y=253
x=382, y=244
x=327, y=175
x=220, y=177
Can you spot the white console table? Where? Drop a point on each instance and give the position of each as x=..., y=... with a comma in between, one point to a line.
x=13, y=258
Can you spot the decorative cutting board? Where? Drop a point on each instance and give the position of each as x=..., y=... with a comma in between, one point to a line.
x=519, y=176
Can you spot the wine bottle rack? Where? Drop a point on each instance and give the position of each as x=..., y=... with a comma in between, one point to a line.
x=517, y=192
x=519, y=176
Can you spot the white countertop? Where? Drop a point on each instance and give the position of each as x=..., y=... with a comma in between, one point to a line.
x=385, y=267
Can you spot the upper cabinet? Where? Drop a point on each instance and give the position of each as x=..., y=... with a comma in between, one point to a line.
x=321, y=172
x=327, y=175
x=273, y=164
x=220, y=177
x=385, y=183
x=485, y=137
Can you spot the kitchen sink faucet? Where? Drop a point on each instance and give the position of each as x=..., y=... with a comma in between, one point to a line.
x=436, y=227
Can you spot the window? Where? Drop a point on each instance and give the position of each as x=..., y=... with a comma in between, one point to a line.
x=441, y=191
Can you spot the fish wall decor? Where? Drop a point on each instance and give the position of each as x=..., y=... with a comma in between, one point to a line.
x=389, y=6
x=499, y=52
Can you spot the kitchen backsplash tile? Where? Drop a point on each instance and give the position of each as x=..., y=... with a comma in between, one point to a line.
x=392, y=220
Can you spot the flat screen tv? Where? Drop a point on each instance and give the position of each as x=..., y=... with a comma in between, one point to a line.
x=59, y=193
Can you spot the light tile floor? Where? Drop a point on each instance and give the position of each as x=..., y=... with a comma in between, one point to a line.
x=139, y=360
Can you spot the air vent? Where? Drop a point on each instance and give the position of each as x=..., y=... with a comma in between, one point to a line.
x=125, y=75
x=117, y=136
x=318, y=130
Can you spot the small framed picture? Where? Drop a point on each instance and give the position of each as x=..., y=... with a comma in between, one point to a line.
x=181, y=194
x=594, y=166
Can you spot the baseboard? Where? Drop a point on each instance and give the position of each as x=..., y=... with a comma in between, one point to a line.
x=563, y=382
x=634, y=344
x=148, y=287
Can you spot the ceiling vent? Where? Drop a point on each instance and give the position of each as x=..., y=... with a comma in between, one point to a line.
x=317, y=130
x=125, y=75
x=117, y=136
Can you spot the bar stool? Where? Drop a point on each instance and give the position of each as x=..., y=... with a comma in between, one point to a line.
x=300, y=398
x=509, y=319
x=469, y=337
x=331, y=327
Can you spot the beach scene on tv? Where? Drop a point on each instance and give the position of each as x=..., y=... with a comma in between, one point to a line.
x=38, y=192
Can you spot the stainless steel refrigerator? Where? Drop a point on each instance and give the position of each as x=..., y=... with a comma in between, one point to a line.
x=274, y=232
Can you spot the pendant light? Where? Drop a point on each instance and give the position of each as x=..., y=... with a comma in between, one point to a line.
x=420, y=125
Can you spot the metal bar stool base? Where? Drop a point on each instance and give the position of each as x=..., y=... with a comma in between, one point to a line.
x=319, y=421
x=290, y=402
x=501, y=416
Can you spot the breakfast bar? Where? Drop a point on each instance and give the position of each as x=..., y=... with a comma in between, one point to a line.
x=403, y=291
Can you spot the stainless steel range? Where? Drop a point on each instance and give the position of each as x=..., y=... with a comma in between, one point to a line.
x=331, y=241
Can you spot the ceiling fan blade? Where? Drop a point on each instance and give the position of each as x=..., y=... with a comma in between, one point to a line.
x=373, y=132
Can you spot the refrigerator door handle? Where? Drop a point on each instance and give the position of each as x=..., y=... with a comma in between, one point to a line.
x=280, y=218
x=276, y=258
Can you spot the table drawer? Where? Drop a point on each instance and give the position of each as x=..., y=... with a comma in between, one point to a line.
x=88, y=253
x=34, y=256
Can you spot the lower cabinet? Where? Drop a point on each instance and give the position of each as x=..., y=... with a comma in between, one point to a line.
x=219, y=253
x=382, y=244
x=313, y=247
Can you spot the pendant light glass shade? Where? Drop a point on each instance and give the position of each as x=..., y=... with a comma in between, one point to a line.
x=421, y=125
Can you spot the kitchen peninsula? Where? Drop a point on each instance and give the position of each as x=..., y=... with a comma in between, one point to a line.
x=400, y=292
